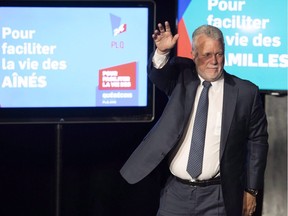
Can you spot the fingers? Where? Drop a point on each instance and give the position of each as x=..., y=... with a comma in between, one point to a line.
x=167, y=26
x=166, y=29
x=156, y=33
x=175, y=38
x=249, y=204
x=252, y=210
x=161, y=29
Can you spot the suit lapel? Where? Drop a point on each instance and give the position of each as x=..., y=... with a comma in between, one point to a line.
x=229, y=104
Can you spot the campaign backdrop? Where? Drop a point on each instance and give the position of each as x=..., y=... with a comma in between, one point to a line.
x=73, y=57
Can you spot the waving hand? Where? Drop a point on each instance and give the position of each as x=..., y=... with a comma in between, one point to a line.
x=163, y=38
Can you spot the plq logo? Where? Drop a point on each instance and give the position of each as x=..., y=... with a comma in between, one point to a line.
x=117, y=27
x=121, y=29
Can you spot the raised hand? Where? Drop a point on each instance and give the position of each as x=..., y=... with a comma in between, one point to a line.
x=163, y=38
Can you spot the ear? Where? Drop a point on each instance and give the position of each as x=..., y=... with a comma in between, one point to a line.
x=193, y=55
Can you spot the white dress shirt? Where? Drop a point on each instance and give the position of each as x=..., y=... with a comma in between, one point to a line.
x=211, y=158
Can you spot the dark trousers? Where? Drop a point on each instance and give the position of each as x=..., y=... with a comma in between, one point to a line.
x=178, y=199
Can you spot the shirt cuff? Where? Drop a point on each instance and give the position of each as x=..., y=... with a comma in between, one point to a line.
x=159, y=60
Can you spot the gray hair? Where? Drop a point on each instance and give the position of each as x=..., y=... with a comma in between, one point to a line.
x=209, y=31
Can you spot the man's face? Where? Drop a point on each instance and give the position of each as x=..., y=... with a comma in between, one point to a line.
x=209, y=58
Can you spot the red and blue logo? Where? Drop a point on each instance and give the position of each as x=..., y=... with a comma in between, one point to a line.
x=117, y=26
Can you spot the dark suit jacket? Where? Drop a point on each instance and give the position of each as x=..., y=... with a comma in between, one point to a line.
x=243, y=144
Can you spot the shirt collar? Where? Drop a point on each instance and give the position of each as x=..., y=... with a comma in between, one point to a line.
x=216, y=83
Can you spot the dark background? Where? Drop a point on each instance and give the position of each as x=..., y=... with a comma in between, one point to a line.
x=91, y=156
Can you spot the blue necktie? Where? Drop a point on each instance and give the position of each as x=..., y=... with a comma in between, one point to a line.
x=194, y=167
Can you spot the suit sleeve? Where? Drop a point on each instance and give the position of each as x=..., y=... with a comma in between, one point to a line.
x=165, y=78
x=257, y=145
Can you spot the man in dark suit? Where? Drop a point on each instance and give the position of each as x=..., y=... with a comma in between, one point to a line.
x=234, y=156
